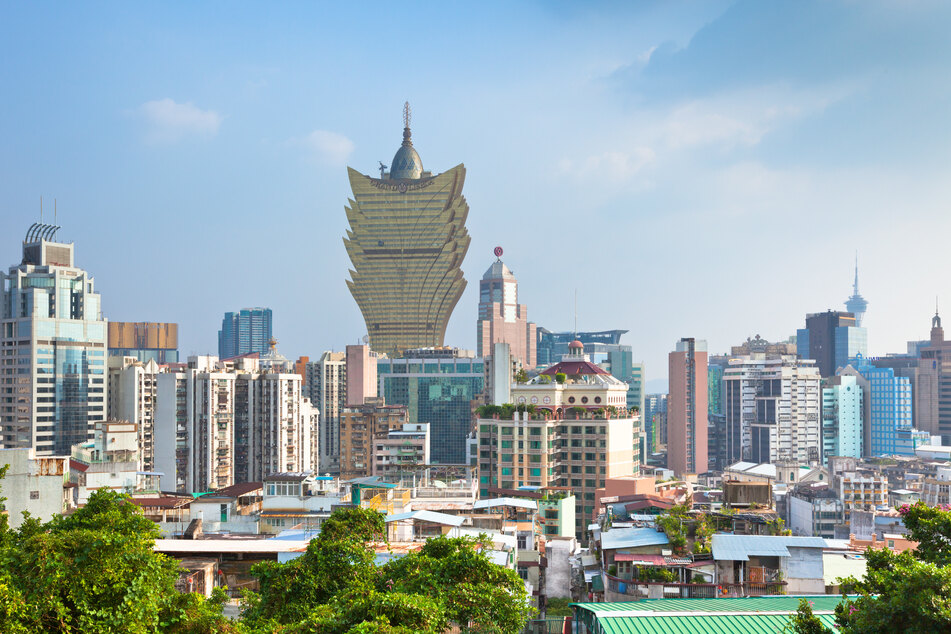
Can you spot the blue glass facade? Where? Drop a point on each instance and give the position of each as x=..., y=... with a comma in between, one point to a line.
x=244, y=332
x=851, y=342
x=439, y=392
x=890, y=420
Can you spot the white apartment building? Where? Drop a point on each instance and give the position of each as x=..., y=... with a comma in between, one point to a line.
x=773, y=407
x=133, y=391
x=325, y=384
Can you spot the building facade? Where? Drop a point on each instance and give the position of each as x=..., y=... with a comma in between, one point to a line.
x=932, y=389
x=655, y=422
x=407, y=240
x=578, y=435
x=687, y=407
x=146, y=341
x=502, y=319
x=890, y=428
x=772, y=407
x=363, y=429
x=133, y=393
x=325, y=384
x=53, y=347
x=832, y=339
x=245, y=332
x=438, y=386
x=842, y=417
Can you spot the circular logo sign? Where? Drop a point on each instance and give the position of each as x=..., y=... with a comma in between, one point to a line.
x=498, y=252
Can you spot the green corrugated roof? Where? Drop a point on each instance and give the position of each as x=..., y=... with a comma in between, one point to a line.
x=752, y=615
x=760, y=624
x=821, y=603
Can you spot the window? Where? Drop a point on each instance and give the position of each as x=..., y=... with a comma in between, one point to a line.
x=34, y=495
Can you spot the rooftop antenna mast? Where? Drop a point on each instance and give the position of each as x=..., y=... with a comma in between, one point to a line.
x=407, y=114
x=41, y=210
x=576, y=313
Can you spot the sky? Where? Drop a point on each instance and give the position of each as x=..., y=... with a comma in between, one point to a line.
x=704, y=169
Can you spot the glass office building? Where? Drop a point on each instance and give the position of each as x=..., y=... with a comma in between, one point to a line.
x=245, y=332
x=439, y=390
x=890, y=423
x=52, y=349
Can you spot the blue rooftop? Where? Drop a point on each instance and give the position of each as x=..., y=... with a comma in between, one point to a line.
x=632, y=538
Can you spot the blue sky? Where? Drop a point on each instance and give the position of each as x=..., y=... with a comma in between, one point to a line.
x=701, y=169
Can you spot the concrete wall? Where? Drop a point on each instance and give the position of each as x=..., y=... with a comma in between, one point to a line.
x=558, y=573
x=803, y=571
x=33, y=484
x=800, y=516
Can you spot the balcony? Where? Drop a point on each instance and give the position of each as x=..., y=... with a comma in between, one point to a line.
x=694, y=590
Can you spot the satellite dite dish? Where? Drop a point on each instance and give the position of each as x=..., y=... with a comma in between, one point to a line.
x=366, y=339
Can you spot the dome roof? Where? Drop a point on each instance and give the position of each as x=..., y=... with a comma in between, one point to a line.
x=406, y=162
x=575, y=345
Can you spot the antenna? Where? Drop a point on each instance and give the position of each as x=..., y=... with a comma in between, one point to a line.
x=576, y=312
x=407, y=114
x=41, y=210
x=54, y=211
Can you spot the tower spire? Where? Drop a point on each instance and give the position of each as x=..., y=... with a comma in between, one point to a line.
x=855, y=286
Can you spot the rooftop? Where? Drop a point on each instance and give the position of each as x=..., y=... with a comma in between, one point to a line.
x=632, y=538
x=740, y=547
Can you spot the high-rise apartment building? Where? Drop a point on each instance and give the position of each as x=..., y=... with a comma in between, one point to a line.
x=501, y=318
x=842, y=417
x=439, y=386
x=52, y=349
x=133, y=392
x=325, y=384
x=217, y=424
x=146, y=341
x=407, y=240
x=773, y=409
x=832, y=339
x=687, y=407
x=364, y=439
x=579, y=434
x=245, y=332
x=932, y=390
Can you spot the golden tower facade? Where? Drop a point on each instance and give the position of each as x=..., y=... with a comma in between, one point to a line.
x=406, y=241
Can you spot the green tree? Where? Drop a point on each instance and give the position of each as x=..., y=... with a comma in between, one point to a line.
x=335, y=587
x=95, y=571
x=805, y=622
x=904, y=592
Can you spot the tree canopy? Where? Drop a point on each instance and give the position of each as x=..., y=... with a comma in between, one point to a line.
x=335, y=586
x=96, y=570
x=901, y=592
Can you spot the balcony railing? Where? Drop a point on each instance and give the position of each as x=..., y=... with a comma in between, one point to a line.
x=643, y=590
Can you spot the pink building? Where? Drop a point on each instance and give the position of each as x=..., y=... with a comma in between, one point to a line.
x=501, y=318
x=361, y=375
x=687, y=408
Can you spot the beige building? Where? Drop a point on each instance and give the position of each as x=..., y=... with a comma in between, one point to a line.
x=501, y=318
x=406, y=241
x=361, y=375
x=362, y=430
x=575, y=433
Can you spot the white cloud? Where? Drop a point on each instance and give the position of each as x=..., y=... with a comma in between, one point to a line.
x=327, y=147
x=168, y=121
x=616, y=166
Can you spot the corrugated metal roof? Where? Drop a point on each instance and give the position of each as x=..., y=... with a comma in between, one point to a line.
x=713, y=624
x=632, y=538
x=735, y=605
x=740, y=547
x=513, y=502
x=428, y=516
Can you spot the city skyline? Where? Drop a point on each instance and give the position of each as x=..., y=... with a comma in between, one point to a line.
x=238, y=162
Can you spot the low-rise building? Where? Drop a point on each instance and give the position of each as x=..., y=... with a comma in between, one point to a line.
x=765, y=559
x=38, y=484
x=814, y=510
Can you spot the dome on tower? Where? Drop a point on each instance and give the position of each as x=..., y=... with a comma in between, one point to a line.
x=406, y=162
x=576, y=345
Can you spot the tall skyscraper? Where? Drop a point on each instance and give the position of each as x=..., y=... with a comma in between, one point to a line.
x=687, y=408
x=407, y=240
x=53, y=346
x=772, y=406
x=832, y=339
x=501, y=318
x=244, y=332
x=856, y=304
